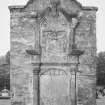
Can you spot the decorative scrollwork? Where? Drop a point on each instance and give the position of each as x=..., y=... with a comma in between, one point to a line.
x=56, y=42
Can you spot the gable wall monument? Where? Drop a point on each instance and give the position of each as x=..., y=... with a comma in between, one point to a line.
x=47, y=38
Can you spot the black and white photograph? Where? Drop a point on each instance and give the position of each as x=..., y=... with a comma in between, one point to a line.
x=52, y=52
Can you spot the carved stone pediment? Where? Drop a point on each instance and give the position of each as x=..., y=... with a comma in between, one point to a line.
x=39, y=5
x=55, y=29
x=56, y=32
x=54, y=9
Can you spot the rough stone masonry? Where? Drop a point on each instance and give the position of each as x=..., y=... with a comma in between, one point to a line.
x=42, y=71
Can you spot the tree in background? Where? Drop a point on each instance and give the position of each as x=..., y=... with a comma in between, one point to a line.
x=5, y=71
x=8, y=57
x=100, y=69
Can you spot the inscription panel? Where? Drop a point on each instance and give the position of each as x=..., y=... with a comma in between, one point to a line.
x=54, y=88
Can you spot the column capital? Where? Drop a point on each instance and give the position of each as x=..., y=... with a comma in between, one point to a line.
x=36, y=71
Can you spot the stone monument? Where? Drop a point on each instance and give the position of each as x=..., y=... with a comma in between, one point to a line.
x=53, y=50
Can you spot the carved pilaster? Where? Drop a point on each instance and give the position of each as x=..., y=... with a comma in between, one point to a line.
x=36, y=86
x=75, y=20
x=73, y=26
x=37, y=35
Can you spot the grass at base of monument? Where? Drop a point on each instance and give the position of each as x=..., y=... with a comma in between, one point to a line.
x=100, y=101
x=5, y=102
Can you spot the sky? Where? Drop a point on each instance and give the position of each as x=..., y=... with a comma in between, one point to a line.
x=5, y=22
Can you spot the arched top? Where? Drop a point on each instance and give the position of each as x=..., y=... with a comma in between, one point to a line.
x=53, y=71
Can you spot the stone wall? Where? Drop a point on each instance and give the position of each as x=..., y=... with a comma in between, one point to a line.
x=4, y=72
x=25, y=35
x=22, y=38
